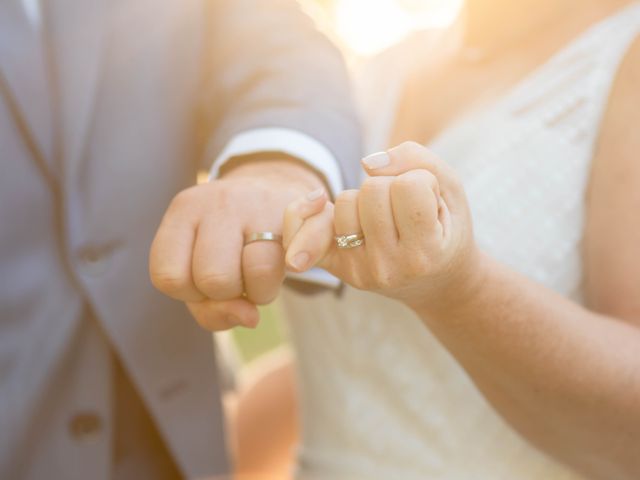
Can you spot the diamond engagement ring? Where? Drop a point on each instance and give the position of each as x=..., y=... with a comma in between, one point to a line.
x=350, y=241
x=262, y=237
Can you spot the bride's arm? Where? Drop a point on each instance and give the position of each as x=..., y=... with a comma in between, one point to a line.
x=263, y=423
x=566, y=377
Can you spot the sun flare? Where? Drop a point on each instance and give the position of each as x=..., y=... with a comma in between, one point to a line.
x=369, y=26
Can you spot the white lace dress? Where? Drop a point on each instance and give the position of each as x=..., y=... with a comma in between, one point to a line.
x=380, y=397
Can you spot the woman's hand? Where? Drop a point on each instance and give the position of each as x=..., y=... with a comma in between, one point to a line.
x=414, y=216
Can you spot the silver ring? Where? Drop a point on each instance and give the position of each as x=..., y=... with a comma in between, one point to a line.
x=350, y=241
x=262, y=237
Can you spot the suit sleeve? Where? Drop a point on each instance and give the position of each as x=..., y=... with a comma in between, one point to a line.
x=271, y=68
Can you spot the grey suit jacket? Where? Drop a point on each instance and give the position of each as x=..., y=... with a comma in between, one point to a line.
x=105, y=114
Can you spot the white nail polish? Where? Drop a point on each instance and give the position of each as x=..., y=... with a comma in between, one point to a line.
x=300, y=261
x=377, y=160
x=316, y=194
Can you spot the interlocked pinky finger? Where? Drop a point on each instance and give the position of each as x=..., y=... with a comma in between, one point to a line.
x=312, y=242
x=300, y=210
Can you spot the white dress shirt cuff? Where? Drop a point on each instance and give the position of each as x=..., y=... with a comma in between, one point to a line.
x=33, y=12
x=289, y=142
x=318, y=276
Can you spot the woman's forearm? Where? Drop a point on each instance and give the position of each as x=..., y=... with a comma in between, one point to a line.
x=265, y=424
x=568, y=379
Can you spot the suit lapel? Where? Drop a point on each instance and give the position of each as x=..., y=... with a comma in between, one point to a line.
x=24, y=68
x=77, y=29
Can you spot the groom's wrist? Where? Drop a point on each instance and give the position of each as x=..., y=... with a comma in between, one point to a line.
x=285, y=143
x=284, y=171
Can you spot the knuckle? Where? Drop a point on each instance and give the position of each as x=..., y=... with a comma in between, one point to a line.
x=375, y=185
x=402, y=183
x=373, y=188
x=204, y=315
x=410, y=148
x=414, y=179
x=264, y=298
x=168, y=282
x=262, y=271
x=346, y=198
x=217, y=285
x=184, y=199
x=422, y=177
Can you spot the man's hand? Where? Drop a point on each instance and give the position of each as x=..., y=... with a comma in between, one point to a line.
x=198, y=255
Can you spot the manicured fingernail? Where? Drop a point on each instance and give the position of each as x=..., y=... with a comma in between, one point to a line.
x=253, y=323
x=316, y=194
x=300, y=260
x=377, y=160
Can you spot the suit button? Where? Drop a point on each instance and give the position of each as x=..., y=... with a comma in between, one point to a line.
x=93, y=261
x=85, y=425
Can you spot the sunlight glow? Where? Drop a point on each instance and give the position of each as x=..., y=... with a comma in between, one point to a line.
x=369, y=26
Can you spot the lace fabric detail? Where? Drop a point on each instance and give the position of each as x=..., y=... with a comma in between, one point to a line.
x=380, y=397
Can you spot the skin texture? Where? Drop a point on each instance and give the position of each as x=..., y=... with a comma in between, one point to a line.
x=198, y=256
x=565, y=376
x=260, y=414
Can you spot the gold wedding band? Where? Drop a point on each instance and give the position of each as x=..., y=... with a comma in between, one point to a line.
x=262, y=237
x=353, y=240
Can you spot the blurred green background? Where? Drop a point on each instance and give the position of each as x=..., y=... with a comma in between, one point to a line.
x=269, y=334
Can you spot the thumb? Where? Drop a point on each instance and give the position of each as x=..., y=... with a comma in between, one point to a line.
x=411, y=156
